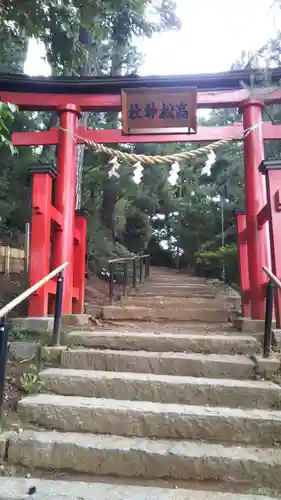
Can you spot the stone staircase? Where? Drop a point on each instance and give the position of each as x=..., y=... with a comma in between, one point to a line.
x=172, y=406
x=171, y=297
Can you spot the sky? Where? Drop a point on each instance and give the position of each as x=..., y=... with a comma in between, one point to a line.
x=212, y=37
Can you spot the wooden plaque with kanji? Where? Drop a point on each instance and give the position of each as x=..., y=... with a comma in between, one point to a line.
x=159, y=110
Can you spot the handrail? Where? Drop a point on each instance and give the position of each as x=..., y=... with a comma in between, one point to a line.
x=127, y=259
x=272, y=276
x=267, y=341
x=15, y=302
x=144, y=260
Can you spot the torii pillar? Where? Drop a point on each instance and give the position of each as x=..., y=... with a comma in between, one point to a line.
x=60, y=223
x=255, y=199
x=65, y=192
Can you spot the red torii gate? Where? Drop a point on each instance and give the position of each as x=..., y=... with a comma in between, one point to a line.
x=69, y=97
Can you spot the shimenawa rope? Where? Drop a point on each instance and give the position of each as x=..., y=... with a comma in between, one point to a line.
x=152, y=159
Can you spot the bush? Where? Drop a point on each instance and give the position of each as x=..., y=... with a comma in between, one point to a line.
x=137, y=231
x=101, y=248
x=210, y=263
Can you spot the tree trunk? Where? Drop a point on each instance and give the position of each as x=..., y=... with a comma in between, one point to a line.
x=91, y=68
x=110, y=192
x=79, y=164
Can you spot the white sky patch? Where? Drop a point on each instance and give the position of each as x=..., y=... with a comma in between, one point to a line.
x=158, y=217
x=213, y=35
x=36, y=62
x=164, y=244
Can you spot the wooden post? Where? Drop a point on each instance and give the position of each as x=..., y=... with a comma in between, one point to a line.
x=243, y=262
x=79, y=259
x=7, y=260
x=27, y=247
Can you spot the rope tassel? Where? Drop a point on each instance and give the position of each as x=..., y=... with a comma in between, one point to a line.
x=174, y=173
x=211, y=159
x=114, y=171
x=137, y=175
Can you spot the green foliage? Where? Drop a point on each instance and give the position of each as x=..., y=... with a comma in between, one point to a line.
x=146, y=204
x=30, y=381
x=15, y=179
x=26, y=335
x=7, y=112
x=211, y=263
x=13, y=49
x=101, y=248
x=137, y=231
x=85, y=34
x=56, y=23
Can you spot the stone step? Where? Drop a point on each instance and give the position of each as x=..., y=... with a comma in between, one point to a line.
x=17, y=488
x=154, y=420
x=189, y=327
x=178, y=276
x=158, y=287
x=172, y=281
x=176, y=279
x=169, y=283
x=161, y=302
x=106, y=455
x=165, y=363
x=179, y=291
x=115, y=312
x=162, y=388
x=140, y=292
x=224, y=344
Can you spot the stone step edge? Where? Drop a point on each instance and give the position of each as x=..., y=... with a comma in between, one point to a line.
x=152, y=420
x=185, y=447
x=184, y=300
x=132, y=307
x=171, y=336
x=133, y=386
x=41, y=447
x=17, y=488
x=150, y=407
x=265, y=367
x=197, y=356
x=206, y=342
x=238, y=359
x=154, y=377
x=154, y=311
